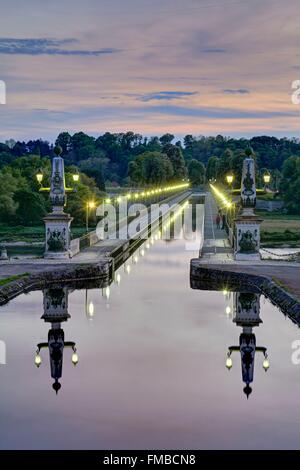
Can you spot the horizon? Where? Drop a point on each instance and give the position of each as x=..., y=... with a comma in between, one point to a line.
x=176, y=137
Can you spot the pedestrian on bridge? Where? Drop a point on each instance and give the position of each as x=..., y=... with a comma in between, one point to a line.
x=218, y=221
x=224, y=222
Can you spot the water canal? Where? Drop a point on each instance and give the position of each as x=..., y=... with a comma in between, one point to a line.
x=151, y=365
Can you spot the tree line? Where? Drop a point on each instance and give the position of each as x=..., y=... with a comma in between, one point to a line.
x=130, y=159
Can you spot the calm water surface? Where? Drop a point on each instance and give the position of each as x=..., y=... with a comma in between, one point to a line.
x=151, y=370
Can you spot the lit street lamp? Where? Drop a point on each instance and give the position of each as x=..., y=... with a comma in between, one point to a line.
x=75, y=176
x=267, y=179
x=229, y=180
x=90, y=205
x=39, y=177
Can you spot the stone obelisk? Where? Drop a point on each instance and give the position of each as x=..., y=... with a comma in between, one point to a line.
x=247, y=224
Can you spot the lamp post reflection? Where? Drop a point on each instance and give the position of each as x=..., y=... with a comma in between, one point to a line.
x=89, y=306
x=56, y=312
x=247, y=315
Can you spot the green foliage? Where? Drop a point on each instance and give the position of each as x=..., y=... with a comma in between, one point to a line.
x=7, y=280
x=290, y=184
x=9, y=184
x=20, y=200
x=123, y=159
x=31, y=207
x=287, y=237
x=87, y=190
x=224, y=165
x=151, y=168
x=93, y=168
x=174, y=153
x=196, y=171
x=212, y=168
x=166, y=139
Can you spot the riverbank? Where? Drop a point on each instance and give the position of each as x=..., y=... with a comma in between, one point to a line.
x=281, y=286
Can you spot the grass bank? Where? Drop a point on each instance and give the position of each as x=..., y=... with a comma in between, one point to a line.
x=7, y=280
x=19, y=233
x=279, y=229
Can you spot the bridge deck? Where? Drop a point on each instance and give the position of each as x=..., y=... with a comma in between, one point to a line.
x=216, y=241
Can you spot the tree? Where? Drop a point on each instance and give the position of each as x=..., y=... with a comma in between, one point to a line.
x=9, y=184
x=93, y=168
x=225, y=165
x=237, y=161
x=83, y=147
x=31, y=207
x=175, y=155
x=151, y=167
x=290, y=184
x=166, y=139
x=196, y=171
x=76, y=202
x=212, y=168
x=157, y=168
x=64, y=140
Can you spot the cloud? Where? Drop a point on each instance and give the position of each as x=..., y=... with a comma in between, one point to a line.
x=214, y=113
x=166, y=95
x=46, y=46
x=239, y=91
x=213, y=50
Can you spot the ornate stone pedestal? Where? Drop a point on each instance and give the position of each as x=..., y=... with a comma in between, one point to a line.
x=247, y=238
x=57, y=235
x=56, y=304
x=247, y=309
x=57, y=223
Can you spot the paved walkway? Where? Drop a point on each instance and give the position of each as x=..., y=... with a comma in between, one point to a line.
x=216, y=243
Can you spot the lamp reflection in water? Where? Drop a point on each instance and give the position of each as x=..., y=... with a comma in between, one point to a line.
x=56, y=312
x=106, y=292
x=118, y=278
x=89, y=306
x=229, y=303
x=247, y=315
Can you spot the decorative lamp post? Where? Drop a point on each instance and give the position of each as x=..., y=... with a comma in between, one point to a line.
x=229, y=180
x=89, y=205
x=247, y=315
x=75, y=176
x=267, y=179
x=57, y=223
x=56, y=312
x=40, y=177
x=247, y=224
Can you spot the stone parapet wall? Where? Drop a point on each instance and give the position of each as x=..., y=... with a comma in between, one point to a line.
x=68, y=274
x=208, y=278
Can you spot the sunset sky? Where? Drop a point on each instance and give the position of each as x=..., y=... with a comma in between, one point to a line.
x=152, y=66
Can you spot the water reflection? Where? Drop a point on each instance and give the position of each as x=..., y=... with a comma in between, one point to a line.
x=144, y=393
x=247, y=316
x=55, y=302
